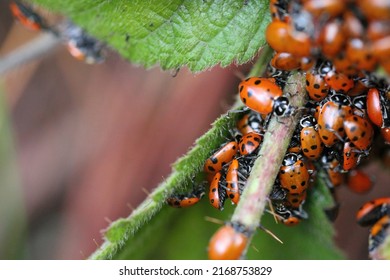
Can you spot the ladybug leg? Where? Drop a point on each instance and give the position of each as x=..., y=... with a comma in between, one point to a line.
x=238, y=111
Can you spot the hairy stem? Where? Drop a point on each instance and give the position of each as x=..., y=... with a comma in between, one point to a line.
x=280, y=130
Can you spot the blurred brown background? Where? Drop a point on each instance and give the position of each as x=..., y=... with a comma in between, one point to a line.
x=89, y=139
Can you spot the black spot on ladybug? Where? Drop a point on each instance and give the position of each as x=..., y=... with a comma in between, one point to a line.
x=210, y=168
x=257, y=82
x=214, y=189
x=325, y=137
x=314, y=147
x=355, y=138
x=363, y=134
x=214, y=160
x=303, y=183
x=241, y=88
x=244, y=100
x=294, y=187
x=316, y=86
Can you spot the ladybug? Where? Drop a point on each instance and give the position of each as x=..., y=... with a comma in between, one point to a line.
x=359, y=88
x=281, y=38
x=259, y=94
x=250, y=122
x=26, y=16
x=376, y=108
x=311, y=143
x=82, y=46
x=359, y=182
x=295, y=200
x=381, y=48
x=359, y=131
x=331, y=38
x=228, y=243
x=217, y=192
x=378, y=29
x=352, y=25
x=222, y=156
x=331, y=118
x=233, y=183
x=293, y=174
x=316, y=87
x=361, y=55
x=184, y=201
x=372, y=211
x=378, y=233
x=351, y=156
x=342, y=65
x=249, y=143
x=385, y=132
x=379, y=9
x=339, y=82
x=326, y=9
x=331, y=165
x=285, y=61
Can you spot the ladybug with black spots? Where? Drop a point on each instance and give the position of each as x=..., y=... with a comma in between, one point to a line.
x=221, y=157
x=311, y=143
x=359, y=131
x=217, y=190
x=27, y=17
x=316, y=87
x=264, y=96
x=185, y=200
x=249, y=143
x=293, y=174
x=370, y=212
x=331, y=118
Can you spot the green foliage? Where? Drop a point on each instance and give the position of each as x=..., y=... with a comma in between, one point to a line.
x=194, y=33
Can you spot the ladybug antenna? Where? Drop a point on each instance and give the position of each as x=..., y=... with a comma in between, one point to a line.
x=270, y=233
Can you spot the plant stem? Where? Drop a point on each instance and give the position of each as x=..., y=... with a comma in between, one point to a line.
x=265, y=169
x=37, y=48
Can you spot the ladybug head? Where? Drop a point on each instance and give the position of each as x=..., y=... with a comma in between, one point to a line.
x=341, y=99
x=359, y=102
x=290, y=159
x=308, y=121
x=282, y=107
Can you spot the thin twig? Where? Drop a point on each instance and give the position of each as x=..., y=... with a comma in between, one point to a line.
x=37, y=48
x=254, y=197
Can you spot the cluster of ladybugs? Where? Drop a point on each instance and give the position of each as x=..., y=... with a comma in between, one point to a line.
x=337, y=44
x=80, y=45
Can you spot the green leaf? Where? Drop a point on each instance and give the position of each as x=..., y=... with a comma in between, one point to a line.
x=194, y=33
